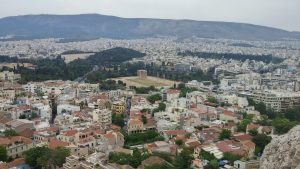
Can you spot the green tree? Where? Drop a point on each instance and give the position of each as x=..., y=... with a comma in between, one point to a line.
x=225, y=134
x=118, y=119
x=231, y=157
x=206, y=155
x=184, y=159
x=261, y=140
x=59, y=156
x=243, y=125
x=212, y=99
x=144, y=119
x=179, y=142
x=161, y=107
x=153, y=98
x=43, y=157
x=35, y=157
x=3, y=153
x=10, y=132
x=213, y=164
x=253, y=132
x=261, y=107
x=283, y=125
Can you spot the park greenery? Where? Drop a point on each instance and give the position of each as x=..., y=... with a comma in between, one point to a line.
x=161, y=107
x=225, y=134
x=184, y=90
x=10, y=133
x=111, y=85
x=144, y=90
x=153, y=98
x=43, y=157
x=133, y=160
x=181, y=161
x=3, y=153
x=261, y=140
x=118, y=119
x=142, y=138
x=281, y=121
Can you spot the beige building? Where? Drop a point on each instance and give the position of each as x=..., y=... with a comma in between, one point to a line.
x=9, y=76
x=142, y=74
x=15, y=146
x=118, y=107
x=278, y=101
x=135, y=126
x=102, y=117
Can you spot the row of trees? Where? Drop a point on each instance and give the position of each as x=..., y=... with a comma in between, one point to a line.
x=43, y=157
x=180, y=161
x=142, y=138
x=281, y=121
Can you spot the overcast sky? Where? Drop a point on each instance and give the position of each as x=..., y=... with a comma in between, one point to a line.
x=276, y=13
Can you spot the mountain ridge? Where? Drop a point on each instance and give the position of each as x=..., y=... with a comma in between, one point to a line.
x=87, y=26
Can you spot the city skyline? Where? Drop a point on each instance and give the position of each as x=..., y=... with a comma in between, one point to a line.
x=273, y=13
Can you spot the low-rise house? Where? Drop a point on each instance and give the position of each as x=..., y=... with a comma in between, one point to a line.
x=16, y=145
x=170, y=94
x=118, y=107
x=103, y=117
x=161, y=146
x=227, y=115
x=169, y=134
x=243, y=148
x=68, y=136
x=135, y=125
x=54, y=143
x=21, y=110
x=19, y=125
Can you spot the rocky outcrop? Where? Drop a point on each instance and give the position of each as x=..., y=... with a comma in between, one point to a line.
x=283, y=152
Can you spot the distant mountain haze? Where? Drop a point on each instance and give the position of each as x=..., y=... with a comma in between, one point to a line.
x=90, y=26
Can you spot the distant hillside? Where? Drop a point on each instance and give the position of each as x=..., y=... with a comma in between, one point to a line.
x=90, y=26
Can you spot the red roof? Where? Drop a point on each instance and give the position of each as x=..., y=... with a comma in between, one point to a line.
x=242, y=137
x=69, y=132
x=175, y=132
x=229, y=113
x=54, y=143
x=172, y=91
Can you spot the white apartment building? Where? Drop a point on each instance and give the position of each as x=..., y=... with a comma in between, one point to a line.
x=102, y=116
x=277, y=100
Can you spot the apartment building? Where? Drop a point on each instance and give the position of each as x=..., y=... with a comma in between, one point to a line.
x=118, y=107
x=276, y=100
x=102, y=117
x=15, y=146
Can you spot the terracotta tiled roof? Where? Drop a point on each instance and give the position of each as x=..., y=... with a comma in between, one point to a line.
x=14, y=139
x=194, y=144
x=175, y=132
x=172, y=91
x=69, y=132
x=242, y=137
x=16, y=162
x=229, y=113
x=54, y=143
x=252, y=126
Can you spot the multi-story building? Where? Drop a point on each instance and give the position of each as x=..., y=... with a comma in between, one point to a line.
x=135, y=125
x=102, y=116
x=9, y=76
x=15, y=146
x=118, y=107
x=276, y=100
